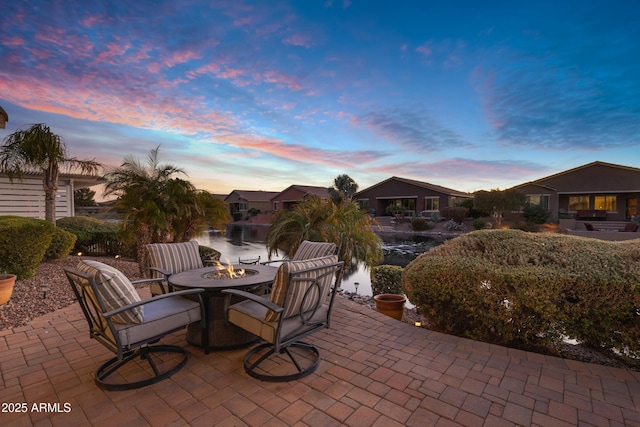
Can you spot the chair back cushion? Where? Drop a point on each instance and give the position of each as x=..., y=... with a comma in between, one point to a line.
x=309, y=250
x=283, y=284
x=114, y=289
x=175, y=257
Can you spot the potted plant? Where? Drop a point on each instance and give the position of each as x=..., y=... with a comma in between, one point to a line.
x=6, y=287
x=386, y=286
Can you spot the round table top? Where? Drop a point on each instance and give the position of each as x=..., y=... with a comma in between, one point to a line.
x=197, y=278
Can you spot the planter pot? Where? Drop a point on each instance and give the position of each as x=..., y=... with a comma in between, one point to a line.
x=391, y=305
x=6, y=287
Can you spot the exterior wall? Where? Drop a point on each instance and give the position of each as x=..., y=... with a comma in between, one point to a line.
x=598, y=180
x=26, y=198
x=380, y=196
x=287, y=199
x=533, y=190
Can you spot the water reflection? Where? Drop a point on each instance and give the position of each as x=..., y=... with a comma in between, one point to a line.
x=247, y=242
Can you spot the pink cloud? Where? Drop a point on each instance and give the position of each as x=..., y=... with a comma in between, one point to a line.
x=281, y=79
x=297, y=40
x=13, y=41
x=181, y=57
x=426, y=48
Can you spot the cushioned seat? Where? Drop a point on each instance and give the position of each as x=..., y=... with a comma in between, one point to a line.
x=299, y=305
x=120, y=320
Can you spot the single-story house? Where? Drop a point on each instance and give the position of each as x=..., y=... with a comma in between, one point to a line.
x=241, y=201
x=595, y=191
x=407, y=195
x=25, y=197
x=287, y=198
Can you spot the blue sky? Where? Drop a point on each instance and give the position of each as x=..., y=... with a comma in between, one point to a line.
x=264, y=94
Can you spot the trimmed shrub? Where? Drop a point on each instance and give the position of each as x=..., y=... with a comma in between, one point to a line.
x=386, y=279
x=95, y=236
x=452, y=225
x=528, y=290
x=61, y=245
x=419, y=224
x=23, y=243
x=479, y=224
x=535, y=214
x=456, y=213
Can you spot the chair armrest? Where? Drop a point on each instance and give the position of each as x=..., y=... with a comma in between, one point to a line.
x=165, y=273
x=111, y=313
x=271, y=261
x=255, y=298
x=137, y=282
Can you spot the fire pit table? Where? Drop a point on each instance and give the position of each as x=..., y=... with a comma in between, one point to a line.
x=214, y=280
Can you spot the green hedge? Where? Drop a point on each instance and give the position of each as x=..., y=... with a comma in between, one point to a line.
x=23, y=243
x=95, y=236
x=61, y=245
x=529, y=290
x=386, y=279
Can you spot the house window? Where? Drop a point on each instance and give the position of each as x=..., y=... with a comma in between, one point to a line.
x=276, y=206
x=364, y=204
x=432, y=203
x=242, y=206
x=606, y=203
x=578, y=203
x=541, y=200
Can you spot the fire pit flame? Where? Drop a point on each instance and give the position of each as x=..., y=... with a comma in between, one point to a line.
x=228, y=272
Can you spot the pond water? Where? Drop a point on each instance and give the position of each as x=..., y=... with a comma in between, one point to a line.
x=247, y=242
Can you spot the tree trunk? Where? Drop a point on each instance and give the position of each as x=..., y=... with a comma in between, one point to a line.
x=50, y=185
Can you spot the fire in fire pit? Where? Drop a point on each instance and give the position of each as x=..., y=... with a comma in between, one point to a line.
x=228, y=271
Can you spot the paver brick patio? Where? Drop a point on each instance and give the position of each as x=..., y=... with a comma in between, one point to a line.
x=374, y=371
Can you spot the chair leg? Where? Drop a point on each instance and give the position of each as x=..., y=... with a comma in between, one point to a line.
x=253, y=368
x=145, y=353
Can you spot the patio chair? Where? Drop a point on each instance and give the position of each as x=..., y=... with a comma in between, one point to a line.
x=124, y=323
x=309, y=250
x=300, y=304
x=630, y=227
x=249, y=261
x=166, y=259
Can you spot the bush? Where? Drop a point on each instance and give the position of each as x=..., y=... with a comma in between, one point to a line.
x=386, y=279
x=479, y=224
x=526, y=226
x=61, y=245
x=23, y=243
x=535, y=214
x=456, y=213
x=419, y=224
x=528, y=290
x=452, y=225
x=95, y=236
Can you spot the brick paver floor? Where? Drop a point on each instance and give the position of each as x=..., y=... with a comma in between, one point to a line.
x=375, y=371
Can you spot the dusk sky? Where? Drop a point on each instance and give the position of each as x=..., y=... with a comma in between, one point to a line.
x=259, y=95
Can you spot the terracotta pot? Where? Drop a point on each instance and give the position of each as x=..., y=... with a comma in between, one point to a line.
x=391, y=305
x=6, y=287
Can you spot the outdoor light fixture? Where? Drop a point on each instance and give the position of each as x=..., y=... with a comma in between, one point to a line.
x=79, y=253
x=418, y=324
x=356, y=284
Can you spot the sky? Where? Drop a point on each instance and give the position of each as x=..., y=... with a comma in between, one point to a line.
x=261, y=95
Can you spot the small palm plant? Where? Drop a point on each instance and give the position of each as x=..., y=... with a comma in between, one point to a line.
x=319, y=220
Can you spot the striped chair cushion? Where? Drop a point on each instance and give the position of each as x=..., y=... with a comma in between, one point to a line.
x=281, y=286
x=309, y=250
x=174, y=257
x=115, y=290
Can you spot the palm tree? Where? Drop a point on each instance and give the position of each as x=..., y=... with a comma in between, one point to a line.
x=344, y=187
x=159, y=206
x=39, y=150
x=322, y=220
